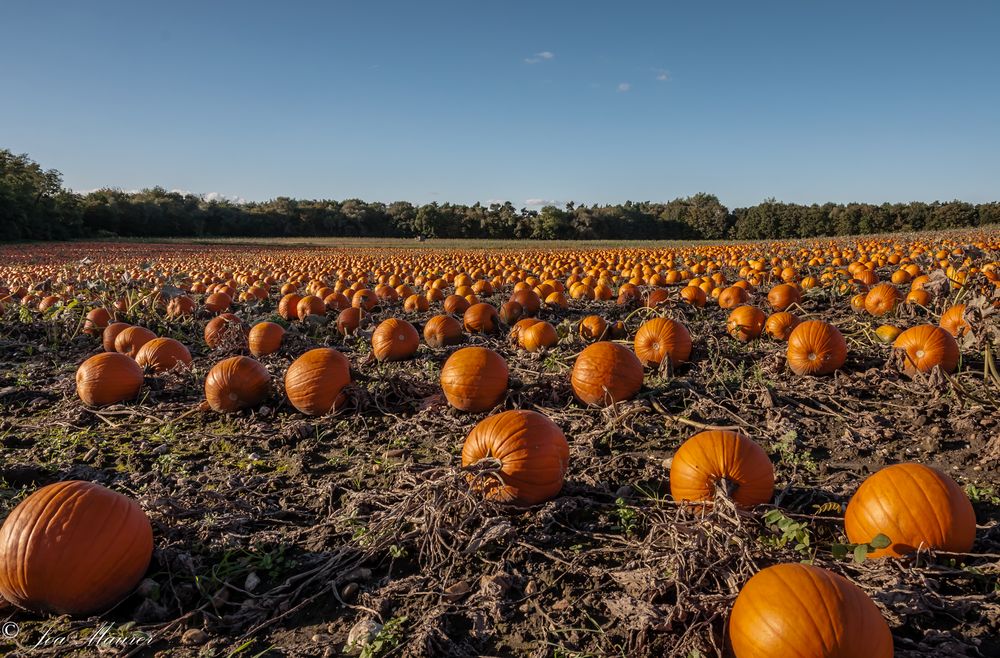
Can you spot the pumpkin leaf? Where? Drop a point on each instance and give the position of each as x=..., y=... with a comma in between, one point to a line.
x=839, y=551
x=860, y=553
x=880, y=541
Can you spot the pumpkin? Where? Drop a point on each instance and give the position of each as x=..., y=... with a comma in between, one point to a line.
x=131, y=340
x=694, y=296
x=225, y=327
x=481, y=318
x=887, y=333
x=816, y=348
x=858, y=302
x=916, y=507
x=350, y=320
x=416, y=304
x=179, y=306
x=721, y=458
x=474, y=379
x=395, y=340
x=606, y=373
x=918, y=298
x=529, y=452
x=162, y=354
x=528, y=300
x=288, y=306
x=881, y=299
x=953, y=321
x=310, y=305
x=661, y=338
x=926, y=346
x=745, y=323
x=593, y=327
x=236, y=383
x=265, y=338
x=538, y=335
x=783, y=295
x=218, y=302
x=315, y=381
x=511, y=312
x=779, y=325
x=108, y=378
x=110, y=334
x=657, y=298
x=442, y=330
x=97, y=321
x=455, y=304
x=73, y=548
x=798, y=610
x=732, y=297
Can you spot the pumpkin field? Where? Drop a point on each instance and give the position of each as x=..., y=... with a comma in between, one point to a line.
x=752, y=449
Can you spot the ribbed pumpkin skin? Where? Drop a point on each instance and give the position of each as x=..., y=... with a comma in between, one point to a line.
x=222, y=326
x=745, y=323
x=73, y=548
x=914, y=506
x=532, y=451
x=97, y=321
x=694, y=296
x=236, y=383
x=779, y=325
x=528, y=300
x=660, y=338
x=315, y=381
x=180, y=305
x=800, y=611
x=474, y=379
x=350, y=320
x=782, y=296
x=732, y=297
x=952, y=321
x=481, y=318
x=455, y=304
x=927, y=346
x=218, y=302
x=815, y=348
x=442, y=330
x=110, y=335
x=539, y=335
x=593, y=327
x=395, y=340
x=605, y=373
x=511, y=312
x=108, y=378
x=265, y=338
x=309, y=305
x=881, y=299
x=288, y=306
x=708, y=457
x=162, y=354
x=131, y=340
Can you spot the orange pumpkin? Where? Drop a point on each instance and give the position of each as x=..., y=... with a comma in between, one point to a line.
x=481, y=318
x=108, y=378
x=528, y=451
x=265, y=338
x=315, y=381
x=694, y=296
x=538, y=335
x=605, y=373
x=916, y=507
x=395, y=340
x=593, y=327
x=131, y=340
x=881, y=299
x=926, y=346
x=236, y=383
x=474, y=379
x=797, y=610
x=661, y=338
x=455, y=304
x=745, y=323
x=350, y=320
x=180, y=306
x=953, y=321
x=96, y=322
x=73, y=548
x=511, y=312
x=732, y=297
x=310, y=305
x=442, y=330
x=110, y=335
x=816, y=348
x=528, y=300
x=779, y=325
x=783, y=295
x=726, y=459
x=288, y=306
x=218, y=302
x=162, y=354
x=223, y=328
x=657, y=298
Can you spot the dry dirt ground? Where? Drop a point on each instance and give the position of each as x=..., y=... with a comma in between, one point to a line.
x=277, y=534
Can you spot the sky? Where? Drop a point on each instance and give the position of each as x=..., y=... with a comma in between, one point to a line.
x=528, y=101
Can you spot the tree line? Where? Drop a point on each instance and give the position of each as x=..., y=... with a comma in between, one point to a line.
x=35, y=206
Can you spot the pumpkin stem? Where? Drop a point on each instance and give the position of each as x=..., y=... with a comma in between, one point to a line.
x=726, y=487
x=488, y=464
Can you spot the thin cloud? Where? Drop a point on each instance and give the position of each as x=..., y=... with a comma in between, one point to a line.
x=543, y=56
x=541, y=202
x=624, y=86
x=663, y=75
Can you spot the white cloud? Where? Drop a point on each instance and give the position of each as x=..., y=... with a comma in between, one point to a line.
x=624, y=86
x=539, y=57
x=210, y=196
x=662, y=75
x=541, y=202
x=490, y=202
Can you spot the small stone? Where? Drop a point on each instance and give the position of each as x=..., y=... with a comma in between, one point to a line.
x=252, y=581
x=361, y=573
x=349, y=591
x=193, y=636
x=530, y=588
x=361, y=635
x=89, y=457
x=624, y=492
x=397, y=455
x=319, y=638
x=161, y=449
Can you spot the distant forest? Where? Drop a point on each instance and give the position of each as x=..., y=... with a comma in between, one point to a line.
x=34, y=205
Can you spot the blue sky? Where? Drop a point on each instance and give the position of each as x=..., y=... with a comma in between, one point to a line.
x=804, y=101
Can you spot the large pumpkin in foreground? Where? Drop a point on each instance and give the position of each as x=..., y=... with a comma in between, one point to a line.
x=662, y=338
x=474, y=379
x=395, y=340
x=531, y=452
x=801, y=611
x=815, y=348
x=236, y=383
x=315, y=381
x=915, y=506
x=108, y=378
x=925, y=346
x=73, y=548
x=708, y=458
x=162, y=354
x=605, y=373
